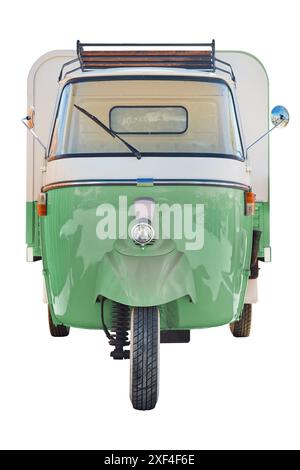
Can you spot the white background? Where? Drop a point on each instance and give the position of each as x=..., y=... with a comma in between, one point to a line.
x=216, y=392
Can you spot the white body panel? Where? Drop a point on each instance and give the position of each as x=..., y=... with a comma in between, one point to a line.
x=29, y=254
x=251, y=296
x=42, y=90
x=252, y=94
x=253, y=97
x=267, y=254
x=45, y=296
x=113, y=168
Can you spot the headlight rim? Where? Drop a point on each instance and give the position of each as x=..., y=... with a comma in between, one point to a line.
x=136, y=239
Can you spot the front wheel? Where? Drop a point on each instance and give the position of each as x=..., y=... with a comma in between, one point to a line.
x=144, y=357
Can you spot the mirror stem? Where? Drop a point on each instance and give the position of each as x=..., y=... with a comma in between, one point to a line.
x=24, y=121
x=264, y=135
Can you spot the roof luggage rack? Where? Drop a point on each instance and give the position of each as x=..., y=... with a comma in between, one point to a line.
x=94, y=56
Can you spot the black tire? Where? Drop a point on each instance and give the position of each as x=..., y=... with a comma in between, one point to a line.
x=58, y=331
x=242, y=327
x=144, y=357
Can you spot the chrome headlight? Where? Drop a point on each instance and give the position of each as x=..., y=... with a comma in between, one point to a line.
x=142, y=233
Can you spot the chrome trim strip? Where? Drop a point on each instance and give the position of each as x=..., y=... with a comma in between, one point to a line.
x=173, y=182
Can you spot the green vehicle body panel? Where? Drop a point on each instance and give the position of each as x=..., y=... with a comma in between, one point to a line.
x=33, y=229
x=193, y=288
x=262, y=222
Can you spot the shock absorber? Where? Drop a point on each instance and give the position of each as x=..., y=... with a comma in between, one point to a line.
x=119, y=327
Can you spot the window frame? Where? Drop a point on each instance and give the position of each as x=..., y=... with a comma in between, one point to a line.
x=147, y=107
x=183, y=78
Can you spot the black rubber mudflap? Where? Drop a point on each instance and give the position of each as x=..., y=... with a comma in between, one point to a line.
x=254, y=261
x=175, y=336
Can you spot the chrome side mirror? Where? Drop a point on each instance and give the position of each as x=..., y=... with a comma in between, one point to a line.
x=279, y=117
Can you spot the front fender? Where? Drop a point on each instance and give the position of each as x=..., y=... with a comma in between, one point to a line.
x=144, y=281
x=78, y=266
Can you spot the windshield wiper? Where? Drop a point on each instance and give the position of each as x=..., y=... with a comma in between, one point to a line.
x=109, y=131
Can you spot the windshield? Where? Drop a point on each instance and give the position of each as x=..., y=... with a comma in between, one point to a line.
x=155, y=116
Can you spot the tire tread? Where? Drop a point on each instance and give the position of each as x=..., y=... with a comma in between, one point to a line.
x=57, y=331
x=242, y=327
x=144, y=361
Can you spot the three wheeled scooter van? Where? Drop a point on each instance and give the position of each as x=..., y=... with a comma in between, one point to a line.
x=148, y=193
